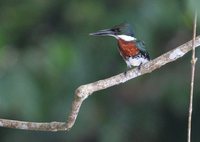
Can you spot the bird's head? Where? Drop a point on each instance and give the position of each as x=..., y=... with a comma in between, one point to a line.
x=122, y=31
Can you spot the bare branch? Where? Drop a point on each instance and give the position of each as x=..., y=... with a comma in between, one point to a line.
x=193, y=63
x=85, y=90
x=52, y=126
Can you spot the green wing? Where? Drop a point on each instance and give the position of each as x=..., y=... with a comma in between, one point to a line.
x=141, y=46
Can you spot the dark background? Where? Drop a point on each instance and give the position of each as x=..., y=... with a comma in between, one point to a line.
x=46, y=53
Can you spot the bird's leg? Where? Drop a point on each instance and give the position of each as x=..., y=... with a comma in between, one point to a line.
x=139, y=67
x=128, y=67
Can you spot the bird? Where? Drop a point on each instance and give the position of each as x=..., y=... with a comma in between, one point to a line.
x=130, y=48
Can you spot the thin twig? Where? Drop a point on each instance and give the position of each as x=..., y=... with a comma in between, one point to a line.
x=193, y=63
x=85, y=90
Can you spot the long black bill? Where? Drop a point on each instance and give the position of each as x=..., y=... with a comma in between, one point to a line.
x=106, y=32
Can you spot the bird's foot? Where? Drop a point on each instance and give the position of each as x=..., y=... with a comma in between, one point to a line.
x=139, y=67
x=125, y=73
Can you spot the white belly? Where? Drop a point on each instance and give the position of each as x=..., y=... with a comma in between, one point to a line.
x=136, y=61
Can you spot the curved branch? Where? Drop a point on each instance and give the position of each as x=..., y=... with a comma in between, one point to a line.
x=84, y=91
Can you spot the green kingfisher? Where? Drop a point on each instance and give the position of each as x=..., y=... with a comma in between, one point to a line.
x=131, y=49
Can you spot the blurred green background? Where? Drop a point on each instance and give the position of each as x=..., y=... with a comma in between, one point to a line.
x=46, y=53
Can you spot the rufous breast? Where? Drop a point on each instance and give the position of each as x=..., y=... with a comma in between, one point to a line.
x=127, y=48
